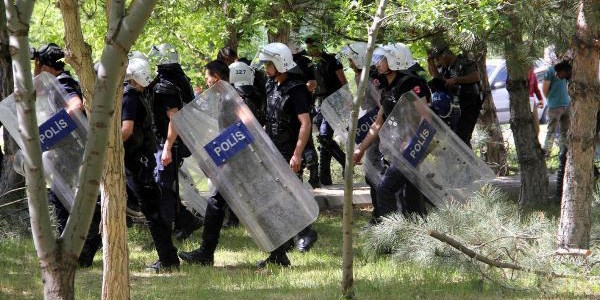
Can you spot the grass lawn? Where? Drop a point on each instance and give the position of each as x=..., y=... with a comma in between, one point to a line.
x=315, y=275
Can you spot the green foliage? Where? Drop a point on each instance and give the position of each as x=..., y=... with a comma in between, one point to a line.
x=488, y=225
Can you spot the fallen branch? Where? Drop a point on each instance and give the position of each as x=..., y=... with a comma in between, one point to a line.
x=14, y=202
x=573, y=252
x=486, y=260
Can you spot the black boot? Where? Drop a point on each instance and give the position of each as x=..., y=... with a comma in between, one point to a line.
x=232, y=220
x=311, y=160
x=325, y=167
x=201, y=256
x=186, y=223
x=314, y=180
x=306, y=239
x=163, y=267
x=276, y=258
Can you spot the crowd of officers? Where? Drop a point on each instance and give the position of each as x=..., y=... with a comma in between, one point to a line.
x=284, y=93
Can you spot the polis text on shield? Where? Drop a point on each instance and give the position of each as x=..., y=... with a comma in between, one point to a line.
x=55, y=129
x=417, y=148
x=232, y=140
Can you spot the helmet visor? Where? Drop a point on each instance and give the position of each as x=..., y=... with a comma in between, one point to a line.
x=377, y=58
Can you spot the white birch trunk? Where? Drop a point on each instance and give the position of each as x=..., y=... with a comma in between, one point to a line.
x=347, y=251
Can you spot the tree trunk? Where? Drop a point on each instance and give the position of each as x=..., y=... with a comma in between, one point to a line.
x=58, y=275
x=282, y=28
x=115, y=284
x=78, y=53
x=534, y=177
x=58, y=257
x=233, y=39
x=9, y=179
x=576, y=207
x=115, y=280
x=282, y=35
x=347, y=222
x=18, y=17
x=494, y=152
x=6, y=78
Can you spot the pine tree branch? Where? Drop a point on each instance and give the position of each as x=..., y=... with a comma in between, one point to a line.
x=488, y=261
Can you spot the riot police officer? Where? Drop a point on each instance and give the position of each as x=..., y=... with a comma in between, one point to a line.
x=462, y=79
x=228, y=55
x=310, y=158
x=241, y=76
x=48, y=58
x=330, y=77
x=288, y=121
x=393, y=64
x=139, y=143
x=171, y=91
x=214, y=72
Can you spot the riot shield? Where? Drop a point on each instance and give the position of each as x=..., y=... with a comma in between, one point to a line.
x=429, y=154
x=190, y=178
x=337, y=108
x=234, y=151
x=62, y=135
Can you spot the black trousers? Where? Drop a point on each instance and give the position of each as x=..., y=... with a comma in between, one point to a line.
x=213, y=222
x=93, y=240
x=373, y=192
x=141, y=183
x=329, y=148
x=466, y=122
x=396, y=193
x=171, y=208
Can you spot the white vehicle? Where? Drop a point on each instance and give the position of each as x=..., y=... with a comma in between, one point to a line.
x=497, y=73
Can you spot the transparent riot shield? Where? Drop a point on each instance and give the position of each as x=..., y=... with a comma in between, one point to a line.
x=337, y=108
x=190, y=179
x=429, y=154
x=236, y=154
x=62, y=135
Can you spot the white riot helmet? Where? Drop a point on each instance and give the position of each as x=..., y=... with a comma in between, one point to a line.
x=240, y=74
x=356, y=52
x=295, y=46
x=398, y=56
x=137, y=54
x=279, y=54
x=138, y=70
x=164, y=54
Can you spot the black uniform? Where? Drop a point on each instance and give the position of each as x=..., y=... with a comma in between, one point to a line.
x=285, y=102
x=171, y=90
x=217, y=206
x=326, y=67
x=393, y=183
x=469, y=96
x=93, y=240
x=139, y=168
x=310, y=158
x=255, y=99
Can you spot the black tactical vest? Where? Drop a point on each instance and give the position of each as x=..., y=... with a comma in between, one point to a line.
x=390, y=95
x=255, y=101
x=142, y=141
x=164, y=89
x=65, y=79
x=278, y=121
